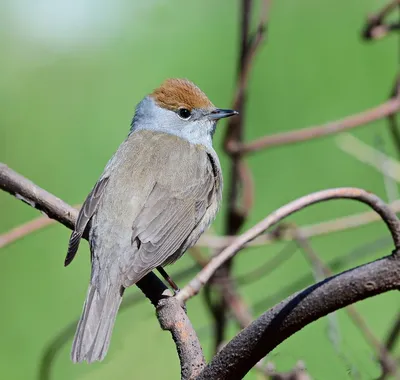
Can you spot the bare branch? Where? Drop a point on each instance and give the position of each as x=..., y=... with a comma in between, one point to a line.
x=388, y=363
x=297, y=311
x=369, y=155
x=318, y=229
x=383, y=110
x=392, y=120
x=26, y=229
x=231, y=297
x=388, y=216
x=219, y=242
x=34, y=196
x=170, y=314
x=394, y=333
x=239, y=205
x=264, y=269
x=374, y=28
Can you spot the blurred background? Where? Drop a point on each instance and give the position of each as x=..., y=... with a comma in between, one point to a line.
x=71, y=73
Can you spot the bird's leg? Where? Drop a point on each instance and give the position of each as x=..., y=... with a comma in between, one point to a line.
x=170, y=281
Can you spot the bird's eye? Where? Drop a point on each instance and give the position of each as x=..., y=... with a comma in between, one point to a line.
x=184, y=113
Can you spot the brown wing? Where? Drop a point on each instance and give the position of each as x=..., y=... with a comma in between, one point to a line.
x=85, y=214
x=165, y=223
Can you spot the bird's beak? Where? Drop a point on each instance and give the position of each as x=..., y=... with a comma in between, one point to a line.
x=219, y=113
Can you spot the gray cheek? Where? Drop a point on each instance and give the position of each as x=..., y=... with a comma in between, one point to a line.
x=212, y=129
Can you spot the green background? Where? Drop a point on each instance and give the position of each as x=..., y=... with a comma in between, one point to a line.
x=67, y=96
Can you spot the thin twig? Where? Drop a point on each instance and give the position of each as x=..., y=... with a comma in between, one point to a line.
x=392, y=119
x=393, y=334
x=369, y=155
x=265, y=269
x=236, y=303
x=26, y=229
x=388, y=216
x=220, y=242
x=391, y=187
x=374, y=28
x=383, y=110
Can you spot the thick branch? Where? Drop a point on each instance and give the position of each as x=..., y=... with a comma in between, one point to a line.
x=173, y=318
x=34, y=196
x=388, y=363
x=297, y=311
x=388, y=216
x=169, y=312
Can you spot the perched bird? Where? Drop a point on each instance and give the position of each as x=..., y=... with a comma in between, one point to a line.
x=156, y=196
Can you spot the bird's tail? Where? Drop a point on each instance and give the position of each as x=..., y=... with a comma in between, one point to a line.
x=93, y=333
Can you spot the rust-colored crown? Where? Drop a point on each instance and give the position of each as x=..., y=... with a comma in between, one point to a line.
x=180, y=93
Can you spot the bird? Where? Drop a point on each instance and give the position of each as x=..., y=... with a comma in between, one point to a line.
x=157, y=194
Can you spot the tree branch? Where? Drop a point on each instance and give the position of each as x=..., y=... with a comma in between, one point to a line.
x=388, y=363
x=240, y=177
x=388, y=216
x=394, y=334
x=374, y=28
x=299, y=310
x=170, y=314
x=219, y=242
x=25, y=229
x=311, y=230
x=383, y=110
x=36, y=197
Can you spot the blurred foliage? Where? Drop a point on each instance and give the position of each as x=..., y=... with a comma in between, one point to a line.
x=71, y=73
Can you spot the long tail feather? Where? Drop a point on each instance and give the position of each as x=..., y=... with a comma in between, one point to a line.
x=93, y=334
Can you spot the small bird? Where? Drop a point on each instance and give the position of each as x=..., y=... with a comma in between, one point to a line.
x=157, y=194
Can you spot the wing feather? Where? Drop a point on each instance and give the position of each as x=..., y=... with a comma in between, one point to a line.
x=152, y=211
x=166, y=222
x=85, y=214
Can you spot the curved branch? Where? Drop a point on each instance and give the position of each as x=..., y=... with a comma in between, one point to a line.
x=297, y=311
x=388, y=216
x=311, y=230
x=169, y=312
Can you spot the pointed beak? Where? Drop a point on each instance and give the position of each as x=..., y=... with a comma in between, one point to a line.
x=219, y=113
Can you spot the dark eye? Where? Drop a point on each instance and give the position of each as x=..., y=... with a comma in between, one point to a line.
x=184, y=113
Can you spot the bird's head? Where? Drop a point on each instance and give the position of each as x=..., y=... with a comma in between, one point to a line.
x=180, y=108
